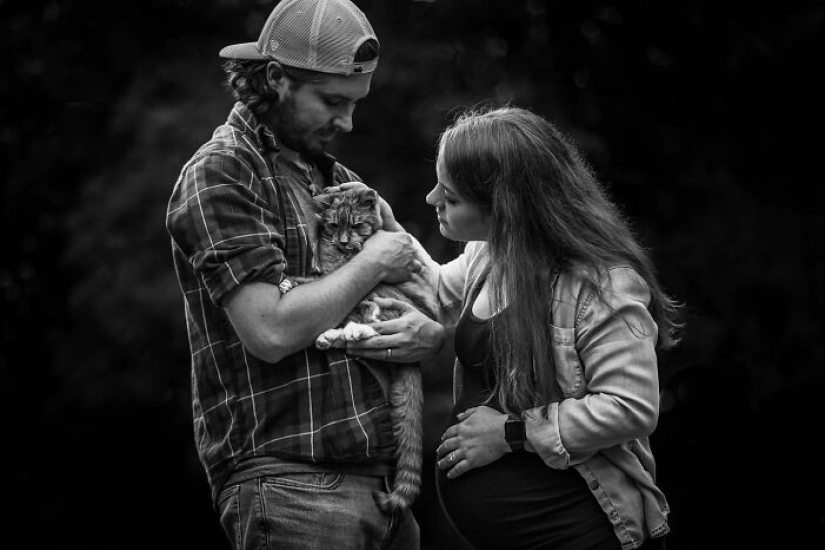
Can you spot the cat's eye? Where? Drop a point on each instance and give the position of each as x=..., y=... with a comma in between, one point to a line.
x=333, y=225
x=357, y=225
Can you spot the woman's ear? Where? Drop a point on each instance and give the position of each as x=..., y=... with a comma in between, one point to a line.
x=276, y=79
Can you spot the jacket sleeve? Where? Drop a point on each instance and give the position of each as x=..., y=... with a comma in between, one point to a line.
x=449, y=280
x=615, y=340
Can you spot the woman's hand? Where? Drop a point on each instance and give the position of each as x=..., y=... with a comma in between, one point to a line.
x=411, y=337
x=477, y=440
x=388, y=218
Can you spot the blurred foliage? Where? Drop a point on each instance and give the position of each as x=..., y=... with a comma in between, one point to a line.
x=702, y=117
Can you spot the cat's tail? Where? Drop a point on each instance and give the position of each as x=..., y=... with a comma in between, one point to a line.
x=406, y=399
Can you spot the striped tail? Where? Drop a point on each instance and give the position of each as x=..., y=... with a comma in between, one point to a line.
x=406, y=398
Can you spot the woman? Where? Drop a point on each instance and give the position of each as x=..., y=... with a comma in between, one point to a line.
x=558, y=314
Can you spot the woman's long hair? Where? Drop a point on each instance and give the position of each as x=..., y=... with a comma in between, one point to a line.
x=549, y=213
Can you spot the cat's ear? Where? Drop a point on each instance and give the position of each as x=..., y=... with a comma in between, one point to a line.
x=324, y=201
x=370, y=197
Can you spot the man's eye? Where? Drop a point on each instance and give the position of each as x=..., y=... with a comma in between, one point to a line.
x=333, y=102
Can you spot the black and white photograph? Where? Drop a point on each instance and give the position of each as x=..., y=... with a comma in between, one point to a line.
x=411, y=274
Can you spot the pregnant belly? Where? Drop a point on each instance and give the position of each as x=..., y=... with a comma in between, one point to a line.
x=519, y=502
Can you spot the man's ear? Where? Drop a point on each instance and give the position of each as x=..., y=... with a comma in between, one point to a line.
x=276, y=78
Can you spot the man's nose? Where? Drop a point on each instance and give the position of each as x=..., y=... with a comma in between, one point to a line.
x=343, y=122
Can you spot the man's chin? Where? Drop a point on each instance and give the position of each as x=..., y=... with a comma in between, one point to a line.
x=310, y=148
x=323, y=142
x=318, y=146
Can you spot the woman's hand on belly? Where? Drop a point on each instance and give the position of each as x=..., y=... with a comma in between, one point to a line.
x=477, y=440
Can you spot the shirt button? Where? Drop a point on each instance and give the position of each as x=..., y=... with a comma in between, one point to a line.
x=594, y=485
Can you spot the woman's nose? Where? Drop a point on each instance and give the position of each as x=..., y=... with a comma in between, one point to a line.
x=432, y=197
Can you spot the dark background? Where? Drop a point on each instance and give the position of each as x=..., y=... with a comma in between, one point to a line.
x=703, y=117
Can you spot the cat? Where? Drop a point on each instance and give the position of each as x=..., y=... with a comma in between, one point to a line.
x=346, y=219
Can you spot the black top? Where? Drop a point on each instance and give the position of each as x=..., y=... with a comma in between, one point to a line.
x=517, y=501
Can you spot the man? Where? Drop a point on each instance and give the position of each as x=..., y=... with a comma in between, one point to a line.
x=295, y=441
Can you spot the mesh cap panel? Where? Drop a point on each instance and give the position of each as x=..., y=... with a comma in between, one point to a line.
x=319, y=35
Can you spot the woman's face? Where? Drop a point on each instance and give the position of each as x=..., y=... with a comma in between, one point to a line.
x=458, y=219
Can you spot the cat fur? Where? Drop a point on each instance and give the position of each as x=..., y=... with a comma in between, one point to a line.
x=345, y=220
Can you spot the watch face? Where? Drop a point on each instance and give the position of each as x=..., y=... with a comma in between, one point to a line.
x=514, y=432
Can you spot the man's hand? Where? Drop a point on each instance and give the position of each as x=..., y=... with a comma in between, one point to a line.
x=412, y=337
x=477, y=440
x=387, y=217
x=394, y=252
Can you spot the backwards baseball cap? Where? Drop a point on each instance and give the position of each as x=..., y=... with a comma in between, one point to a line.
x=318, y=35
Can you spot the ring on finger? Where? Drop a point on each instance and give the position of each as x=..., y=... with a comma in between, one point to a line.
x=389, y=353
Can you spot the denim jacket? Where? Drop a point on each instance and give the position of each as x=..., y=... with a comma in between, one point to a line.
x=604, y=349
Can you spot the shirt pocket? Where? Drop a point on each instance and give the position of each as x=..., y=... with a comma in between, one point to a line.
x=569, y=371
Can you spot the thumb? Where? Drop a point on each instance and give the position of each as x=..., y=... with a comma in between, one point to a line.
x=465, y=414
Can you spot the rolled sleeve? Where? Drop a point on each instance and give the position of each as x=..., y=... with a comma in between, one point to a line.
x=543, y=434
x=615, y=342
x=455, y=278
x=450, y=289
x=219, y=219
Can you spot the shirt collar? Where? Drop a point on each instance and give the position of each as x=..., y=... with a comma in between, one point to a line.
x=245, y=120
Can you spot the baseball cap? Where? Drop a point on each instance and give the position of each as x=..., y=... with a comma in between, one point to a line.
x=318, y=35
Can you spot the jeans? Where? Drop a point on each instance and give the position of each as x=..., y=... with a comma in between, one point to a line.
x=313, y=510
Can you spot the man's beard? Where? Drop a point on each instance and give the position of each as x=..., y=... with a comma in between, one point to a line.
x=293, y=132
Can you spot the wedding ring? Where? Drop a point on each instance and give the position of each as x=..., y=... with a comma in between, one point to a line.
x=452, y=457
x=389, y=353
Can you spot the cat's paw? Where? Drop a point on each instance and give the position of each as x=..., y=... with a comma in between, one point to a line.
x=338, y=337
x=356, y=331
x=286, y=285
x=329, y=339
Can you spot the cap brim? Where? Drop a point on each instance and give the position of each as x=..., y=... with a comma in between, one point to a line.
x=249, y=50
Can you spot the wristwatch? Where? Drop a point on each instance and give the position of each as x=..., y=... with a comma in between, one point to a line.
x=515, y=433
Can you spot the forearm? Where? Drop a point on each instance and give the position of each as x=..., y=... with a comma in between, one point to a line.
x=391, y=224
x=272, y=326
x=574, y=430
x=577, y=428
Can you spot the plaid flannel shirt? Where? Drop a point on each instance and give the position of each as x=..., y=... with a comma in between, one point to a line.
x=234, y=218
